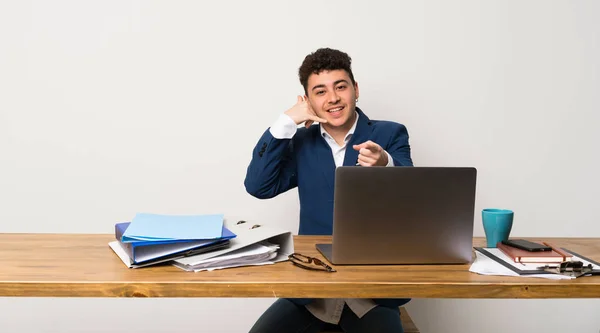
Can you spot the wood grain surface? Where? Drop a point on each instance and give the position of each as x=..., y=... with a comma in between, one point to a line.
x=79, y=265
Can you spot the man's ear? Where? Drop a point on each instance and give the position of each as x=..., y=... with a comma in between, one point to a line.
x=356, y=89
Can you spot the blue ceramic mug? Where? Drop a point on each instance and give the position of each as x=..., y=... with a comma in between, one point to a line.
x=497, y=224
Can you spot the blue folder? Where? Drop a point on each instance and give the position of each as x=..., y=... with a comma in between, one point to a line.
x=144, y=252
x=157, y=227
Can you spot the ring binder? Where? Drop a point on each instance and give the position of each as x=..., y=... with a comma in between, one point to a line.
x=245, y=238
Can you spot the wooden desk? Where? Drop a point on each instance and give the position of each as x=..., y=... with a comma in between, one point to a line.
x=68, y=265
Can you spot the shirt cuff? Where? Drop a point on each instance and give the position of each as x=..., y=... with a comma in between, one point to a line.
x=390, y=160
x=284, y=127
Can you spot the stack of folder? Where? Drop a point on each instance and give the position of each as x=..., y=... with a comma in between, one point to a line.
x=151, y=239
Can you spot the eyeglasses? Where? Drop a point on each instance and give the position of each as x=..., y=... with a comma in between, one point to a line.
x=311, y=263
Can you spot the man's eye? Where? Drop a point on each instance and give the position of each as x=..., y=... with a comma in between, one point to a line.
x=342, y=87
x=320, y=92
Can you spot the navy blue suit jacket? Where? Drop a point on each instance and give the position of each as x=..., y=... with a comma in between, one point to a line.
x=306, y=162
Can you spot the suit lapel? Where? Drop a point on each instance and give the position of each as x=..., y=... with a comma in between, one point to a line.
x=361, y=134
x=325, y=160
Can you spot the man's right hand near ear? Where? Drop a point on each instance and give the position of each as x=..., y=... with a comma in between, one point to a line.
x=303, y=113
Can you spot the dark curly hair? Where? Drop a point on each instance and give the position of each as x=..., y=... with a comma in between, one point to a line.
x=324, y=59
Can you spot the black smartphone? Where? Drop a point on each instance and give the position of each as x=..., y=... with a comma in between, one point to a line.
x=526, y=245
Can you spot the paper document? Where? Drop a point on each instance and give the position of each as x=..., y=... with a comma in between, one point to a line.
x=492, y=261
x=487, y=266
x=154, y=227
x=256, y=254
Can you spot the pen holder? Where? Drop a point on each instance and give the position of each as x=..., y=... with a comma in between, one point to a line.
x=497, y=224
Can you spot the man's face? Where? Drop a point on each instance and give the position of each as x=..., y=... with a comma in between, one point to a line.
x=332, y=96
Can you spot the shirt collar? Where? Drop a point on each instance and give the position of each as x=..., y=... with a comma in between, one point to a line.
x=348, y=135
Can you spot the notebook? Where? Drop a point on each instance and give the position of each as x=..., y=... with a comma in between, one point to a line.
x=555, y=256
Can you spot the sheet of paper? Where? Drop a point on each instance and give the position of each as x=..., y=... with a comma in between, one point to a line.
x=254, y=254
x=155, y=227
x=237, y=261
x=224, y=267
x=486, y=266
x=253, y=250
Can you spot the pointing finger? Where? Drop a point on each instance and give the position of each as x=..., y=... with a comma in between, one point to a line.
x=372, y=145
x=368, y=145
x=366, y=159
x=367, y=152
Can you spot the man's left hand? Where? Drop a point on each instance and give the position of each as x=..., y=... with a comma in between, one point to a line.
x=371, y=154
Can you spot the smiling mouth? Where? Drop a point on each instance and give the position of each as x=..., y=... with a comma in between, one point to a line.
x=340, y=108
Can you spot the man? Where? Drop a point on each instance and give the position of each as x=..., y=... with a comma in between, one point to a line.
x=287, y=157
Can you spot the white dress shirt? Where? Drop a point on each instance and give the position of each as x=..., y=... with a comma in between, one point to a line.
x=328, y=309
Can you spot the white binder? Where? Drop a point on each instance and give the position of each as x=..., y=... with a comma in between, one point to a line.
x=247, y=233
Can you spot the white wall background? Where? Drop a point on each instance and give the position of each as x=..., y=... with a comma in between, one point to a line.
x=108, y=108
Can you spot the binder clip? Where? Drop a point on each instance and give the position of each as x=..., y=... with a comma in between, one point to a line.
x=571, y=268
x=253, y=227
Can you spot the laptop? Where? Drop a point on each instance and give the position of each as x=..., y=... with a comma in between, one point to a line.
x=402, y=215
